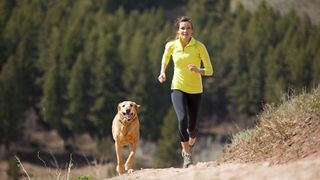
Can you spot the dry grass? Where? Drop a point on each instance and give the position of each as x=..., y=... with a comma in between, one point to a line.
x=31, y=171
x=288, y=132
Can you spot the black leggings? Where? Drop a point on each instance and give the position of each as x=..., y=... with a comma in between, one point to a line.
x=186, y=107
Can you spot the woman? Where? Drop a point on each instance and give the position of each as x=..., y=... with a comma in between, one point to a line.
x=188, y=54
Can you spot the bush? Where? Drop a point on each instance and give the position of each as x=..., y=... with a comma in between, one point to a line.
x=13, y=170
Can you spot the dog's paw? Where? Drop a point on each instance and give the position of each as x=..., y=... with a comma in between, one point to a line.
x=130, y=171
x=120, y=169
x=128, y=166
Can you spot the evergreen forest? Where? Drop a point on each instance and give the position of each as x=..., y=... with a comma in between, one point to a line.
x=72, y=62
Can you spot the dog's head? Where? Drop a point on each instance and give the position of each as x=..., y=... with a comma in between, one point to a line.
x=128, y=109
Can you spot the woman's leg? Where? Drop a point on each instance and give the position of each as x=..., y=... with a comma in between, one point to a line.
x=179, y=104
x=185, y=147
x=193, y=104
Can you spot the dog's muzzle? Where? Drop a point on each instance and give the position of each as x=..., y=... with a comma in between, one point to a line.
x=127, y=114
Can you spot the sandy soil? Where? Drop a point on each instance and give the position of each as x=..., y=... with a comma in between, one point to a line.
x=304, y=169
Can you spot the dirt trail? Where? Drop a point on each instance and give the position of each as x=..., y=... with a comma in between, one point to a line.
x=304, y=169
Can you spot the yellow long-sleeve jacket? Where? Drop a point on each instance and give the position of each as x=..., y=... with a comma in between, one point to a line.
x=193, y=53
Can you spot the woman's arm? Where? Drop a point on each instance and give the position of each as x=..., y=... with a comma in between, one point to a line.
x=162, y=76
x=204, y=55
x=207, y=70
x=195, y=69
x=165, y=60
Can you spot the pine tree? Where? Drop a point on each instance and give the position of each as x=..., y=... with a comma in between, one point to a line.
x=79, y=98
x=239, y=55
x=6, y=7
x=14, y=101
x=107, y=90
x=53, y=100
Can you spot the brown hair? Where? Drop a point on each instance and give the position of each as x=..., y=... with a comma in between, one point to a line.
x=182, y=19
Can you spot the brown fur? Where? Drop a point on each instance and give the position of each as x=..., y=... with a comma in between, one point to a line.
x=126, y=131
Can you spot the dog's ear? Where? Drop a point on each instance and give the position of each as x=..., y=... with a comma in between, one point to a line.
x=137, y=106
x=119, y=106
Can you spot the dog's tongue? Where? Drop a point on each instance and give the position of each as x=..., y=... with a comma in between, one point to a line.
x=127, y=116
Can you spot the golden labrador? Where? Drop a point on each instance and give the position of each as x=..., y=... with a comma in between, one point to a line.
x=126, y=131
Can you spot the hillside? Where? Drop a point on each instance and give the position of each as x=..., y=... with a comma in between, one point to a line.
x=285, y=145
x=310, y=8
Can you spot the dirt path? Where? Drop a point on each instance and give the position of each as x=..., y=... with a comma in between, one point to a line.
x=305, y=169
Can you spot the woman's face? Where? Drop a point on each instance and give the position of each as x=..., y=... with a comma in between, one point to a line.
x=185, y=30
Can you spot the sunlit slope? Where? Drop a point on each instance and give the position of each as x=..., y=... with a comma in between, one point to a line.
x=285, y=133
x=302, y=7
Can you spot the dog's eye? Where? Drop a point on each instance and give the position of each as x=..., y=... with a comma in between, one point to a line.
x=131, y=105
x=123, y=105
x=124, y=113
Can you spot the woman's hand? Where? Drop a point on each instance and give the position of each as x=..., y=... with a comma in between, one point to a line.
x=162, y=77
x=194, y=68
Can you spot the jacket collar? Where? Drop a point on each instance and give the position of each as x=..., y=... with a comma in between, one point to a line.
x=178, y=43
